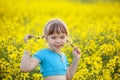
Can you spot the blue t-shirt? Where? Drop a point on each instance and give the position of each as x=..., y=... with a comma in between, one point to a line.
x=51, y=63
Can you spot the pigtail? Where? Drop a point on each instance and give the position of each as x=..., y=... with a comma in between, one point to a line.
x=40, y=37
x=71, y=44
x=36, y=38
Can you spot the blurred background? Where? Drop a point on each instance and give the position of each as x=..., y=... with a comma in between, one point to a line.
x=94, y=26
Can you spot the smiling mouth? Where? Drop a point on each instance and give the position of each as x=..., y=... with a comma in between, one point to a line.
x=58, y=46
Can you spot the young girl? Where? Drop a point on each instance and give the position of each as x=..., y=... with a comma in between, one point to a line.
x=53, y=62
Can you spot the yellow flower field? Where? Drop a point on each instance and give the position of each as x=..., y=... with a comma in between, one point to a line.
x=93, y=27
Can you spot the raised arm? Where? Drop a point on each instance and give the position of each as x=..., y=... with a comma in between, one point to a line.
x=73, y=67
x=28, y=63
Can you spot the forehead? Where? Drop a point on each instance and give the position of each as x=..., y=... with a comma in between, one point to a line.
x=55, y=34
x=56, y=27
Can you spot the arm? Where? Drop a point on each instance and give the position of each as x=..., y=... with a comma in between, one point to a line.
x=73, y=67
x=27, y=63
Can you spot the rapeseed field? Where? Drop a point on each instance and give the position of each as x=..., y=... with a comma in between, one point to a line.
x=93, y=26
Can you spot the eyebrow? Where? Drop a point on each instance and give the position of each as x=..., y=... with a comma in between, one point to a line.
x=59, y=34
x=62, y=35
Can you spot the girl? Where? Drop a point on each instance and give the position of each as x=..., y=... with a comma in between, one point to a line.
x=53, y=63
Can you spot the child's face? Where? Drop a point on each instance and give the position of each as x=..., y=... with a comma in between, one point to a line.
x=56, y=41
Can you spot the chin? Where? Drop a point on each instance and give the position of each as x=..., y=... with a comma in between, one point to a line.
x=56, y=49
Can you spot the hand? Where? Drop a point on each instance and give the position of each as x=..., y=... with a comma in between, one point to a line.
x=27, y=37
x=76, y=53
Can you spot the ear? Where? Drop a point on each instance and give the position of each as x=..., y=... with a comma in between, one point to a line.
x=46, y=38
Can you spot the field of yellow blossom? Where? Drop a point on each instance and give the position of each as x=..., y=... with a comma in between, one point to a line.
x=93, y=26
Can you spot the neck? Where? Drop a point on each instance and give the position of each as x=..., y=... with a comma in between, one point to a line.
x=58, y=52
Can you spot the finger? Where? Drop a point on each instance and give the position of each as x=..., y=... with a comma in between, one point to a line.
x=77, y=50
x=30, y=36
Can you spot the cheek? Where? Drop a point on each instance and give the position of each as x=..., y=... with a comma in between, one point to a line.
x=64, y=41
x=50, y=41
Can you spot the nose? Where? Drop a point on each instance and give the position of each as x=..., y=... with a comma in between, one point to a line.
x=58, y=40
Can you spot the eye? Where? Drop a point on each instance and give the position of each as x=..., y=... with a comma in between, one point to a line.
x=53, y=37
x=62, y=37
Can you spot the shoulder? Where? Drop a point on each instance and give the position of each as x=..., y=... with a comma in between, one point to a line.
x=41, y=51
x=40, y=54
x=63, y=54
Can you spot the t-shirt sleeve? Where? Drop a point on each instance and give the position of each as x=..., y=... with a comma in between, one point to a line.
x=39, y=56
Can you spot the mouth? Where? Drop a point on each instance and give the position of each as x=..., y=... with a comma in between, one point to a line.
x=58, y=46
